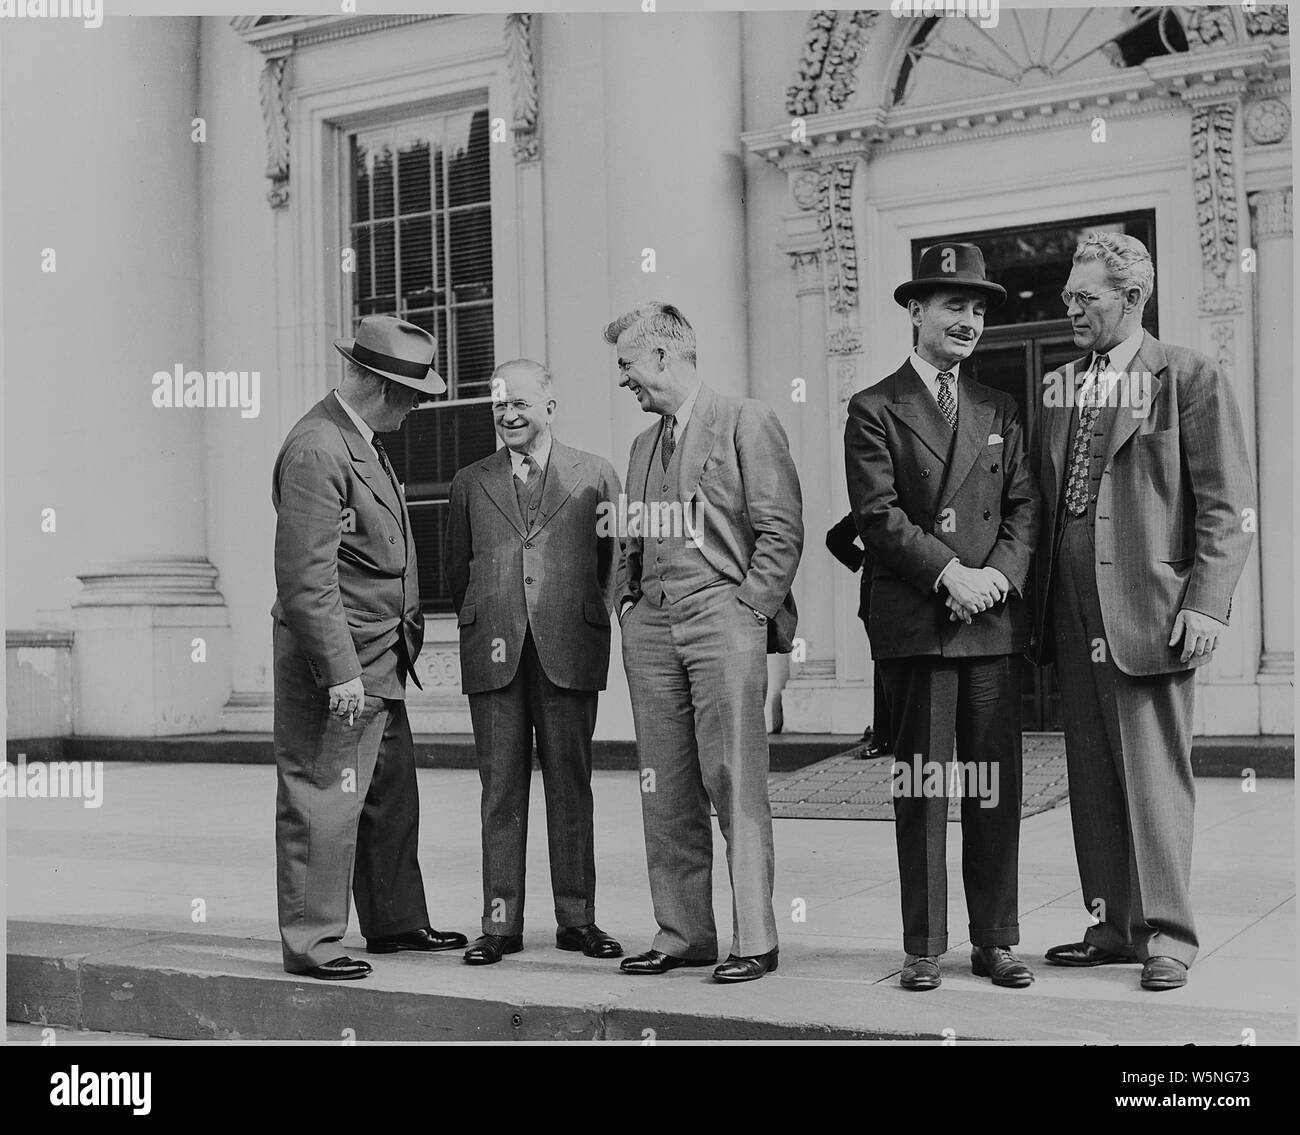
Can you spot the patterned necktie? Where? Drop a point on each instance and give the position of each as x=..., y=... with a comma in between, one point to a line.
x=525, y=473
x=669, y=444
x=1076, y=484
x=947, y=403
x=382, y=454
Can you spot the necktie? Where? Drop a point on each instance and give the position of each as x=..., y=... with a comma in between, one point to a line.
x=382, y=454
x=1076, y=484
x=669, y=443
x=947, y=403
x=525, y=473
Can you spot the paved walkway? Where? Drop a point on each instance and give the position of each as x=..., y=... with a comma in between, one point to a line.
x=170, y=841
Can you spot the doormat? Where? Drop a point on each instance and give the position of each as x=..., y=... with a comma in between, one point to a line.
x=845, y=788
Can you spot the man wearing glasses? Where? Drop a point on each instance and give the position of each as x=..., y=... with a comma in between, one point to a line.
x=531, y=569
x=1146, y=489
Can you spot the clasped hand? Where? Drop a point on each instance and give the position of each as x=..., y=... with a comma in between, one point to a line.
x=973, y=590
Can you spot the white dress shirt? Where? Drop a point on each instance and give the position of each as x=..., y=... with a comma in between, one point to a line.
x=1117, y=366
x=359, y=422
x=930, y=376
x=541, y=455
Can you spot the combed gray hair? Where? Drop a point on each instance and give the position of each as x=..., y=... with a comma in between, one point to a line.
x=1127, y=261
x=656, y=324
x=543, y=375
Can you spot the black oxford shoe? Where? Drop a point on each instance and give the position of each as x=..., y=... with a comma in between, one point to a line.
x=590, y=939
x=340, y=969
x=920, y=973
x=656, y=962
x=1163, y=973
x=426, y=939
x=746, y=969
x=1086, y=954
x=490, y=948
x=999, y=963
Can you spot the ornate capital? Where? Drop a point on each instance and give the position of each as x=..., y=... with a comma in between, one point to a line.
x=1271, y=210
x=523, y=84
x=835, y=219
x=844, y=341
x=807, y=265
x=1214, y=185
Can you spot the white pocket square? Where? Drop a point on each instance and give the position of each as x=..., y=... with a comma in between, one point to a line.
x=994, y=439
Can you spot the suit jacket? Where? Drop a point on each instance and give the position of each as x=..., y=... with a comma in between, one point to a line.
x=558, y=578
x=1169, y=513
x=345, y=569
x=843, y=542
x=920, y=496
x=736, y=466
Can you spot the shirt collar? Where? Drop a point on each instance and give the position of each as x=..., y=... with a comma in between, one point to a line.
x=541, y=455
x=930, y=376
x=684, y=411
x=359, y=422
x=1122, y=353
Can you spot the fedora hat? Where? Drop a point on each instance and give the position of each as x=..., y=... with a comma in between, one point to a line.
x=950, y=265
x=393, y=348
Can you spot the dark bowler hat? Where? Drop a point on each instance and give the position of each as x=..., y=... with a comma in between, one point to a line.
x=951, y=265
x=393, y=348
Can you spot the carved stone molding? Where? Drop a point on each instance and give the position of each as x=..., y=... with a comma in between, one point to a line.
x=275, y=120
x=1266, y=19
x=1214, y=186
x=1220, y=301
x=1271, y=210
x=835, y=219
x=803, y=189
x=1267, y=121
x=1209, y=25
x=1223, y=334
x=807, y=267
x=827, y=74
x=439, y=670
x=844, y=341
x=523, y=84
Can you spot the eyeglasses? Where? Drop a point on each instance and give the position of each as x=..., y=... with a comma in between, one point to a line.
x=1084, y=299
x=518, y=406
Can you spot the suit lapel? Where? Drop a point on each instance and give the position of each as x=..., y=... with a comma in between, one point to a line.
x=916, y=409
x=1057, y=427
x=564, y=471
x=697, y=442
x=365, y=461
x=498, y=482
x=1150, y=359
x=974, y=417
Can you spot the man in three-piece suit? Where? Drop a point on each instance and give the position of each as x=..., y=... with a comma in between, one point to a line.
x=703, y=595
x=348, y=630
x=1146, y=489
x=844, y=543
x=531, y=570
x=940, y=488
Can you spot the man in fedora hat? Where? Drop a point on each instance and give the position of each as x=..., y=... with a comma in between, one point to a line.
x=940, y=488
x=348, y=630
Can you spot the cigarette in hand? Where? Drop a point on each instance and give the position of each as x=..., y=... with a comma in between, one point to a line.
x=351, y=714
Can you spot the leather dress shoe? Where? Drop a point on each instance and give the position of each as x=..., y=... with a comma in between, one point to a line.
x=999, y=963
x=736, y=968
x=340, y=969
x=590, y=939
x=490, y=947
x=873, y=746
x=1163, y=973
x=920, y=973
x=656, y=962
x=425, y=939
x=1086, y=954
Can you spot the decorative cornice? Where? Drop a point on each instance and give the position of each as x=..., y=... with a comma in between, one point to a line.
x=1271, y=210
x=275, y=120
x=523, y=84
x=272, y=33
x=828, y=66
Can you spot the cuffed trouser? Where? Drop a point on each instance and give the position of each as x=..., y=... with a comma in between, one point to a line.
x=971, y=705
x=347, y=817
x=697, y=674
x=504, y=723
x=1128, y=751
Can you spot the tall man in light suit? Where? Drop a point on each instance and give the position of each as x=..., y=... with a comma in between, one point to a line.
x=348, y=630
x=1145, y=484
x=940, y=487
x=531, y=574
x=703, y=594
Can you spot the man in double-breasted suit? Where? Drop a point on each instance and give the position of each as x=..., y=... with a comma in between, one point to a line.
x=348, y=630
x=1148, y=499
x=532, y=547
x=703, y=595
x=940, y=488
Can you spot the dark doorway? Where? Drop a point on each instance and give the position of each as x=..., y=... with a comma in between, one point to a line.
x=1029, y=336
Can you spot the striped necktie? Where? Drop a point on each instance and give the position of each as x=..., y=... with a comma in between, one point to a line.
x=947, y=403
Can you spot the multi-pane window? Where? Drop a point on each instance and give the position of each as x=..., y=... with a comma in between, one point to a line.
x=421, y=228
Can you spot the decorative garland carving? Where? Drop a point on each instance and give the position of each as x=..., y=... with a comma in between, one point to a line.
x=275, y=118
x=523, y=84
x=835, y=218
x=1215, y=189
x=844, y=341
x=1266, y=19
x=1209, y=26
x=827, y=75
